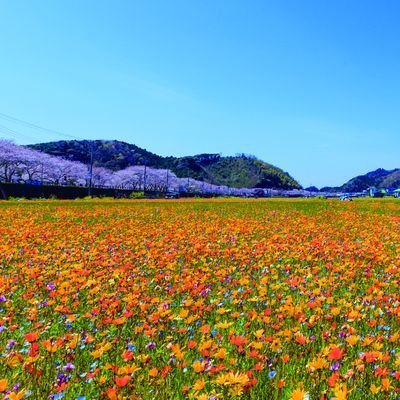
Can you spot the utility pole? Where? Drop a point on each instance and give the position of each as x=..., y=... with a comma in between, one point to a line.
x=144, y=176
x=90, y=168
x=167, y=180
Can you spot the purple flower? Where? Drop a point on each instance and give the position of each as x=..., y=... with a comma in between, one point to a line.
x=68, y=367
x=61, y=378
x=10, y=344
x=2, y=299
x=151, y=346
x=335, y=366
x=16, y=387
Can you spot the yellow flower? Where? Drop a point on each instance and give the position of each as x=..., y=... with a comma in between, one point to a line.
x=317, y=363
x=353, y=339
x=340, y=392
x=223, y=325
x=258, y=334
x=221, y=353
x=236, y=391
x=276, y=344
x=96, y=353
x=231, y=378
x=375, y=389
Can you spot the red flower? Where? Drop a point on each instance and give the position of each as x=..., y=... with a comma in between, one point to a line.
x=122, y=381
x=32, y=337
x=336, y=354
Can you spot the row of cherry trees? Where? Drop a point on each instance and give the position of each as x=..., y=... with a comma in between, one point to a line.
x=21, y=164
x=18, y=163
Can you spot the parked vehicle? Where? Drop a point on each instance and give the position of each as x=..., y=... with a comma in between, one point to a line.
x=345, y=197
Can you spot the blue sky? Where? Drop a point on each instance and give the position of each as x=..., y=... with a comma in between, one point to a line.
x=310, y=86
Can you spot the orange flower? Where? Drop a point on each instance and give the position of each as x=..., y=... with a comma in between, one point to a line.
x=111, y=393
x=3, y=385
x=153, y=372
x=301, y=339
x=298, y=394
x=50, y=345
x=16, y=396
x=285, y=358
x=205, y=329
x=199, y=384
x=385, y=384
x=198, y=366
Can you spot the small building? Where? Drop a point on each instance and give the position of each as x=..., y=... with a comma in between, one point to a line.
x=375, y=192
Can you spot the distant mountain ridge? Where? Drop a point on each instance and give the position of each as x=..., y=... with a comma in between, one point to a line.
x=380, y=178
x=233, y=171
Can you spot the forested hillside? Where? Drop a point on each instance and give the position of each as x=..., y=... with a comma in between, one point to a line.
x=237, y=171
x=380, y=178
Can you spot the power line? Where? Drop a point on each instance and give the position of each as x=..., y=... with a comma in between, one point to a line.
x=12, y=133
x=5, y=129
x=34, y=126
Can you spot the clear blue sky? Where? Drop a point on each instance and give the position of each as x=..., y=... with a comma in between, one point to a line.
x=310, y=86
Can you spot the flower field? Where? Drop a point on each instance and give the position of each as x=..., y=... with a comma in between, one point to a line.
x=200, y=299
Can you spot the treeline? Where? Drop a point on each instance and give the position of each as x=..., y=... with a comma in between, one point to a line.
x=19, y=164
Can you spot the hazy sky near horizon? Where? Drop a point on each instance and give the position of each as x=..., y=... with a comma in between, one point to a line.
x=312, y=87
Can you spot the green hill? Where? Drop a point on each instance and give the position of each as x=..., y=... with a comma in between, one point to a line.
x=380, y=178
x=238, y=171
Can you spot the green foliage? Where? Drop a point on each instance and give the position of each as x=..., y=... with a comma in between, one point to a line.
x=12, y=198
x=137, y=195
